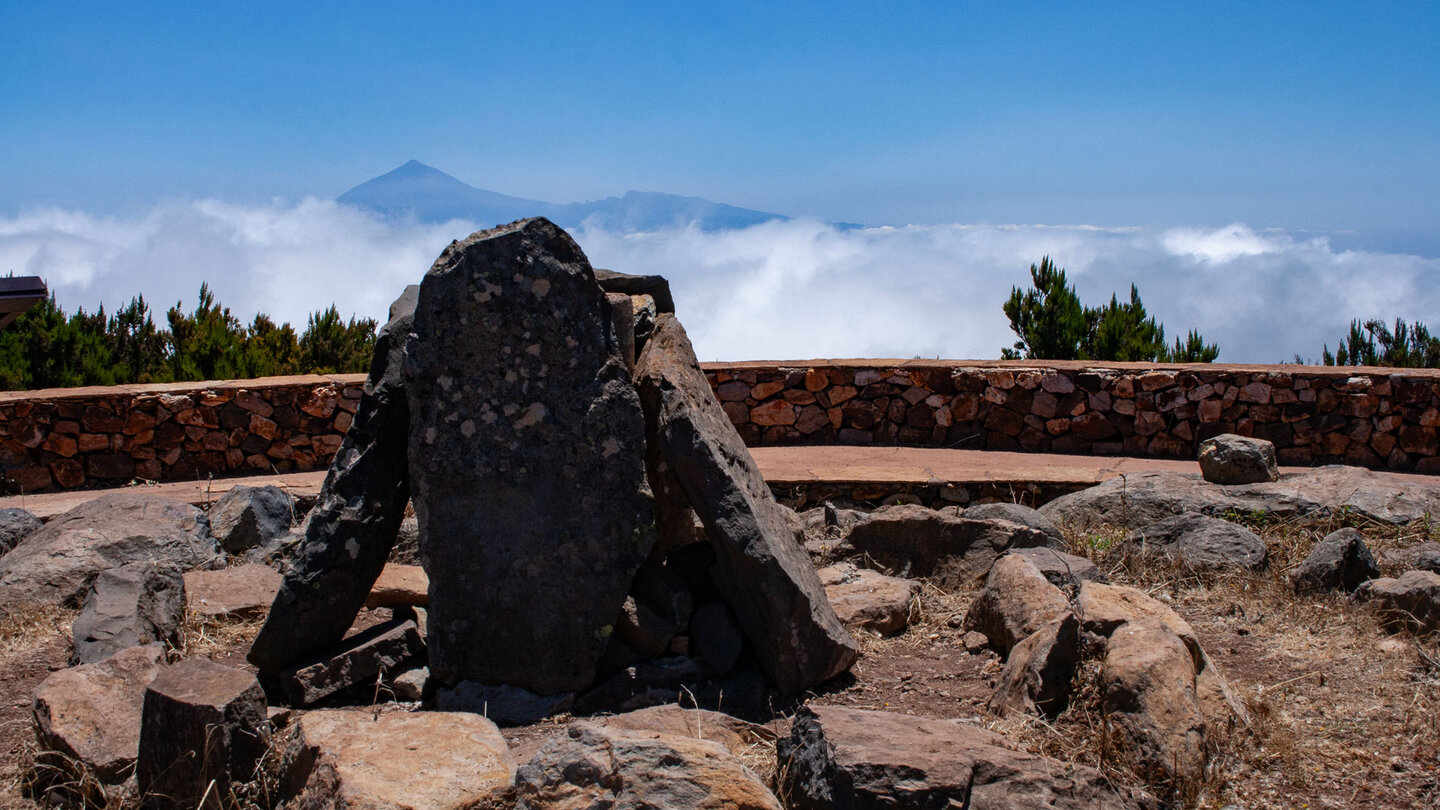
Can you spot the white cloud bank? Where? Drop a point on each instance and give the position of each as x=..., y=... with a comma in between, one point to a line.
x=780, y=291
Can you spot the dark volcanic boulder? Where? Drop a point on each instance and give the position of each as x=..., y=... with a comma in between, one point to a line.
x=762, y=573
x=848, y=759
x=135, y=604
x=1231, y=459
x=57, y=562
x=1341, y=561
x=349, y=533
x=247, y=517
x=16, y=525
x=527, y=461
x=919, y=542
x=1198, y=541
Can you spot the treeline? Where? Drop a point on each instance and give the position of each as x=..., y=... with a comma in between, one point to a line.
x=1373, y=343
x=47, y=348
x=1052, y=324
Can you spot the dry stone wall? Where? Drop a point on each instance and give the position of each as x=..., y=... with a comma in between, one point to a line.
x=1377, y=418
x=1370, y=417
x=68, y=438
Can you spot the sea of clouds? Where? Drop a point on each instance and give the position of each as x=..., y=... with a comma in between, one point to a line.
x=783, y=290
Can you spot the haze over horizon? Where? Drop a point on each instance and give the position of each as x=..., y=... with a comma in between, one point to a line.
x=1235, y=161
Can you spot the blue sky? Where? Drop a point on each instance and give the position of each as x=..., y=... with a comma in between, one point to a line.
x=1302, y=116
x=1265, y=172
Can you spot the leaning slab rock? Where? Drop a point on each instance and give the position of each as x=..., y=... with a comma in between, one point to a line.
x=763, y=574
x=527, y=461
x=353, y=525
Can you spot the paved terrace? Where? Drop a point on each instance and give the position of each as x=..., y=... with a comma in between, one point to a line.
x=820, y=471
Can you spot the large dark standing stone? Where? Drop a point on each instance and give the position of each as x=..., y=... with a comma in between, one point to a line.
x=349, y=533
x=762, y=573
x=135, y=604
x=527, y=461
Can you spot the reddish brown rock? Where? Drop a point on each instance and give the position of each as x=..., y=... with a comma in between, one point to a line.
x=241, y=591
x=1017, y=600
x=353, y=758
x=91, y=714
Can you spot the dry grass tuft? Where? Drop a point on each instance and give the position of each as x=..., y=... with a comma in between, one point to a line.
x=207, y=635
x=24, y=626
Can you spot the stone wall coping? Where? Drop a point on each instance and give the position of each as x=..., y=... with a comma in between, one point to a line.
x=1326, y=372
x=152, y=389
x=299, y=380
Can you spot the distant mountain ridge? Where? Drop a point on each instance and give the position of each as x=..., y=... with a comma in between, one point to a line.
x=430, y=195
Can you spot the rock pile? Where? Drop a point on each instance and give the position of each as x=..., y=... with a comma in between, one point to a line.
x=557, y=447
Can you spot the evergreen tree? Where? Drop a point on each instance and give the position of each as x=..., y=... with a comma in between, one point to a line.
x=207, y=344
x=331, y=346
x=1053, y=325
x=1047, y=317
x=1373, y=344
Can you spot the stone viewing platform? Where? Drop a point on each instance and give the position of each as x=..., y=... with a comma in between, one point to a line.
x=800, y=476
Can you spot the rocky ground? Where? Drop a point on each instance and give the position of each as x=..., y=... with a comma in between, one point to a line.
x=1343, y=713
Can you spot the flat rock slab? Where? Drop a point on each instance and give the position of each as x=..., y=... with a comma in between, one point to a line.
x=1140, y=499
x=593, y=765
x=356, y=759
x=763, y=574
x=91, y=713
x=400, y=586
x=1018, y=513
x=868, y=599
x=839, y=757
x=361, y=658
x=527, y=460
x=735, y=734
x=240, y=591
x=56, y=562
x=955, y=551
x=350, y=532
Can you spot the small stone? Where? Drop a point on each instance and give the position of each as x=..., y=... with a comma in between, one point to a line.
x=1410, y=601
x=1017, y=600
x=1231, y=459
x=133, y=605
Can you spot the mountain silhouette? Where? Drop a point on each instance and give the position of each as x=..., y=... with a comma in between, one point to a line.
x=430, y=195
